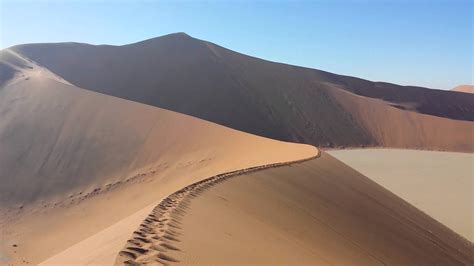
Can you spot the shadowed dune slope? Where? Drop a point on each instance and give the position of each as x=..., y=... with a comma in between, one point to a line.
x=319, y=212
x=440, y=184
x=195, y=77
x=68, y=154
x=50, y=130
x=464, y=88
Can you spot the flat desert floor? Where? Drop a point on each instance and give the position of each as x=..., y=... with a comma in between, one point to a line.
x=441, y=184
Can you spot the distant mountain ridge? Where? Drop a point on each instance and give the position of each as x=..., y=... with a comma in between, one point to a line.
x=199, y=78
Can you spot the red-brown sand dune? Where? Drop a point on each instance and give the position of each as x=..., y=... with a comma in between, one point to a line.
x=74, y=162
x=187, y=75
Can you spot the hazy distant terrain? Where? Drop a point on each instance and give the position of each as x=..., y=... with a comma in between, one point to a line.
x=187, y=75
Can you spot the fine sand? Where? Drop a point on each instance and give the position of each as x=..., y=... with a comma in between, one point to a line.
x=102, y=247
x=74, y=162
x=318, y=212
x=441, y=184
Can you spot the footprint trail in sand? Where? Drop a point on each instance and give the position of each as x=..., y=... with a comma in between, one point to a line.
x=159, y=232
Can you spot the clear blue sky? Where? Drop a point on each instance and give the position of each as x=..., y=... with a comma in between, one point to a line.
x=427, y=43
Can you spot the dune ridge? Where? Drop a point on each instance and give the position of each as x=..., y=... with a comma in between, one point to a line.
x=82, y=131
x=15, y=67
x=68, y=154
x=157, y=232
x=315, y=212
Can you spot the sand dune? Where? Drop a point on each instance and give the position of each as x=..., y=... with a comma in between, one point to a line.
x=15, y=67
x=74, y=162
x=319, y=212
x=464, y=88
x=441, y=184
x=81, y=169
x=102, y=247
x=392, y=127
x=187, y=75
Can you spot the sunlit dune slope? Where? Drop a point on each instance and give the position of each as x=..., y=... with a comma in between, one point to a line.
x=464, y=88
x=199, y=78
x=74, y=162
x=319, y=212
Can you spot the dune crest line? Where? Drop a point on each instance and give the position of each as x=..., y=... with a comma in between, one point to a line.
x=160, y=231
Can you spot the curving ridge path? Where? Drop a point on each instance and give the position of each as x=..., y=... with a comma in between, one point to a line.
x=313, y=212
x=95, y=152
x=156, y=234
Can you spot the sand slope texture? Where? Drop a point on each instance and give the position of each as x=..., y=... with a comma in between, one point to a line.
x=318, y=212
x=74, y=162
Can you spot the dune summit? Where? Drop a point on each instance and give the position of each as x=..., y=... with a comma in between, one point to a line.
x=279, y=101
x=68, y=154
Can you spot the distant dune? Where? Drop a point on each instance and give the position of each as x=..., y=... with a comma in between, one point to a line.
x=319, y=212
x=392, y=127
x=464, y=88
x=187, y=75
x=74, y=162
